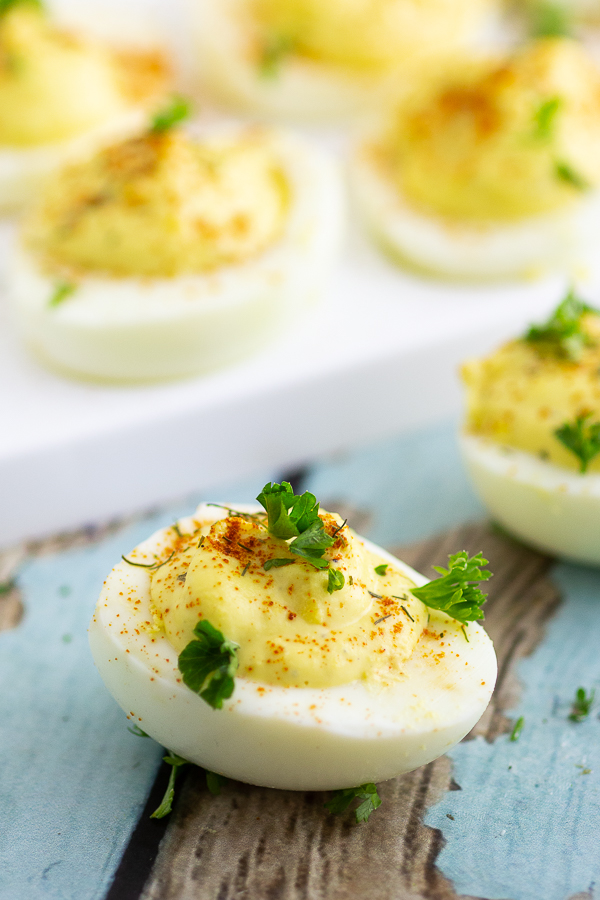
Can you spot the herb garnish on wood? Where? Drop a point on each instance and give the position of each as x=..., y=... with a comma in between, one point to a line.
x=342, y=799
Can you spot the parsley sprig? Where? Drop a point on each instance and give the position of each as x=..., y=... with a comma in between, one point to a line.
x=166, y=805
x=296, y=516
x=545, y=118
x=565, y=172
x=7, y=5
x=581, y=438
x=208, y=664
x=456, y=592
x=582, y=705
x=176, y=112
x=563, y=333
x=341, y=800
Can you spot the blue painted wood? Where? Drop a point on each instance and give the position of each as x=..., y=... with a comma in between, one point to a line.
x=73, y=780
x=527, y=822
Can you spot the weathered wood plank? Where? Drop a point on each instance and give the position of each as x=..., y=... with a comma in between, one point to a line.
x=275, y=845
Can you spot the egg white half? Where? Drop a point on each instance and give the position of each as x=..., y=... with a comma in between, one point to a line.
x=550, y=507
x=135, y=329
x=303, y=89
x=287, y=737
x=23, y=170
x=530, y=247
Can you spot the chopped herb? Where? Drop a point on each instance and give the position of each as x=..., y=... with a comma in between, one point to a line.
x=62, y=290
x=551, y=18
x=404, y=610
x=274, y=50
x=350, y=579
x=567, y=173
x=563, y=334
x=215, y=782
x=278, y=563
x=339, y=528
x=201, y=541
x=176, y=762
x=7, y=586
x=581, y=438
x=335, y=580
x=545, y=117
x=177, y=111
x=154, y=565
x=237, y=513
x=208, y=664
x=464, y=631
x=376, y=596
x=135, y=729
x=176, y=529
x=584, y=770
x=182, y=577
x=382, y=619
x=581, y=706
x=245, y=569
x=7, y=5
x=382, y=569
x=518, y=728
x=456, y=592
x=341, y=800
x=296, y=516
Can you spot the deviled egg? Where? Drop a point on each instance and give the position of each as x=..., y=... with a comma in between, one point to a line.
x=493, y=172
x=61, y=96
x=532, y=435
x=166, y=255
x=281, y=649
x=318, y=59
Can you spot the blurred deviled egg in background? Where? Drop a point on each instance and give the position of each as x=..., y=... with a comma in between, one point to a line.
x=62, y=95
x=322, y=59
x=493, y=171
x=165, y=255
x=532, y=436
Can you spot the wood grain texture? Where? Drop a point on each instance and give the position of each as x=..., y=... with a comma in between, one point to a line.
x=261, y=844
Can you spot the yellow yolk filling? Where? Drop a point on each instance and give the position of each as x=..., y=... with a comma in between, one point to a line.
x=291, y=631
x=500, y=142
x=162, y=205
x=520, y=395
x=52, y=85
x=364, y=34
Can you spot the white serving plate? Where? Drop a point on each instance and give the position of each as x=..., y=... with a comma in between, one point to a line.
x=378, y=356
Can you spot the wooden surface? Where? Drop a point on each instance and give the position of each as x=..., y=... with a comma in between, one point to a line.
x=493, y=819
x=265, y=845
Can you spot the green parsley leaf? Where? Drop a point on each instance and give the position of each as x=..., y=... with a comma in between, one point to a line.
x=335, y=580
x=7, y=5
x=176, y=762
x=563, y=333
x=214, y=782
x=382, y=569
x=545, y=118
x=581, y=439
x=274, y=50
x=312, y=543
x=135, y=729
x=278, y=563
x=176, y=112
x=582, y=705
x=62, y=290
x=456, y=592
x=208, y=664
x=516, y=732
x=7, y=586
x=288, y=514
x=567, y=173
x=341, y=800
x=550, y=18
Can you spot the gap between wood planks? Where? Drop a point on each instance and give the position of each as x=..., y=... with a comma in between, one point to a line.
x=261, y=844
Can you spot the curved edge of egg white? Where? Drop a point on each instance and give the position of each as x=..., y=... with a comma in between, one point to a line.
x=303, y=90
x=24, y=170
x=281, y=737
x=554, y=509
x=529, y=248
x=136, y=329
